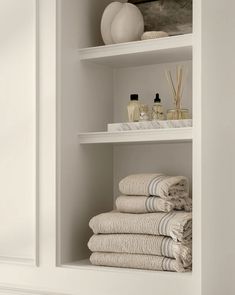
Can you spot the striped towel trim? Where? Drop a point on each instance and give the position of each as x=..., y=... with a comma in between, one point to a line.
x=167, y=247
x=152, y=189
x=166, y=264
x=163, y=224
x=149, y=204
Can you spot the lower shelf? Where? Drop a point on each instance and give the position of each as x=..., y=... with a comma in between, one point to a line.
x=85, y=264
x=133, y=136
x=132, y=281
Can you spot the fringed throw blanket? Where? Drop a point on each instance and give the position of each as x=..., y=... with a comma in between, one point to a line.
x=147, y=262
x=165, y=187
x=143, y=204
x=177, y=225
x=142, y=244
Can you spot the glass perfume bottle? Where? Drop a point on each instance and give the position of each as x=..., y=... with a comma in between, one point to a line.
x=133, y=108
x=157, y=110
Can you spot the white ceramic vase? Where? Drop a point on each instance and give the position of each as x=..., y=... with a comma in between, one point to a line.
x=121, y=22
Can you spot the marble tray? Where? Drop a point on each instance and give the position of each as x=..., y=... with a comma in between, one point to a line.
x=149, y=125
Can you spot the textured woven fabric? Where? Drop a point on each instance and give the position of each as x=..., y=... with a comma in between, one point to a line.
x=176, y=224
x=166, y=187
x=143, y=204
x=147, y=262
x=142, y=244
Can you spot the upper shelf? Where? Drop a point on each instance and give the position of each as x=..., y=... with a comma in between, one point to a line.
x=162, y=50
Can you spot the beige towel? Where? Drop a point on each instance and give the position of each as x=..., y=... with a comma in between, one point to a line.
x=143, y=204
x=176, y=224
x=148, y=262
x=166, y=187
x=142, y=244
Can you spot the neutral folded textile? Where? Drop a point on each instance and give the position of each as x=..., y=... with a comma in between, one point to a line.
x=143, y=204
x=146, y=262
x=142, y=244
x=166, y=187
x=175, y=224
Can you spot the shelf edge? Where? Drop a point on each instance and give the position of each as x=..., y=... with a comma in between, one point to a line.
x=159, y=135
x=105, y=51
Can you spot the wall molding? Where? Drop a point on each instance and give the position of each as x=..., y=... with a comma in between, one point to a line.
x=17, y=261
x=35, y=260
x=58, y=135
x=20, y=290
x=37, y=75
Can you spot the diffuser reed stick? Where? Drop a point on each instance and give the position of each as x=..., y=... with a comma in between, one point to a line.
x=177, y=86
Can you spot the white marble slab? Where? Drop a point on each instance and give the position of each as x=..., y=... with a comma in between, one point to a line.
x=126, y=126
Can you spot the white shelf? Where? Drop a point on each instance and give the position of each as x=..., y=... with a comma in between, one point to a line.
x=134, y=136
x=169, y=49
x=165, y=281
x=86, y=264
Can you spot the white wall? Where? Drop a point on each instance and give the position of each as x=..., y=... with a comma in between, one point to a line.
x=17, y=129
x=218, y=140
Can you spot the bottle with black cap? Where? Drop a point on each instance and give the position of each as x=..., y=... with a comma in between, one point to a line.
x=157, y=110
x=133, y=108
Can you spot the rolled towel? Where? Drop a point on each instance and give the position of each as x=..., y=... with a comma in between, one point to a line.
x=176, y=224
x=165, y=187
x=143, y=204
x=147, y=262
x=142, y=244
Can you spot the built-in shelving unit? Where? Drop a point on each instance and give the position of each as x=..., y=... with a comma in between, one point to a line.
x=169, y=49
x=160, y=135
x=107, y=156
x=96, y=84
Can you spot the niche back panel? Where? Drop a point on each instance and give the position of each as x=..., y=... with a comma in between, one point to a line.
x=171, y=159
x=147, y=81
x=84, y=174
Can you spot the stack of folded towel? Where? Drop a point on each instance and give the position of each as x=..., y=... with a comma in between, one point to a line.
x=147, y=231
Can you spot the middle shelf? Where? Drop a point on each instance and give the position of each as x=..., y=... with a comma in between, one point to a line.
x=168, y=49
x=133, y=136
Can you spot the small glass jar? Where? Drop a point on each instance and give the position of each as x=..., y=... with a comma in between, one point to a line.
x=178, y=114
x=144, y=113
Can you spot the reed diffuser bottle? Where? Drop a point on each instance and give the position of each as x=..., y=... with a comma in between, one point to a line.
x=177, y=113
